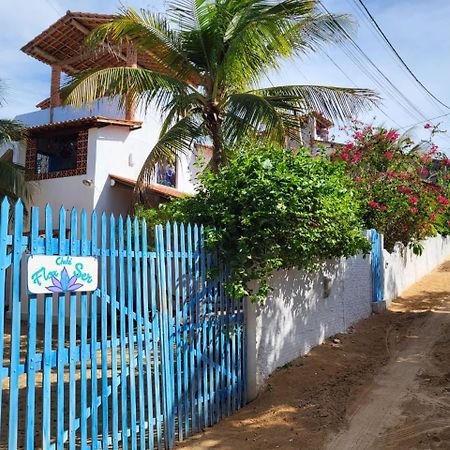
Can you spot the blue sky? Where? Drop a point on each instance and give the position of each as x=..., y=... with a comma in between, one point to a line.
x=418, y=29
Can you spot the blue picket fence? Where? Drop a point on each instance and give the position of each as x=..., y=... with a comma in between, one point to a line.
x=155, y=354
x=376, y=263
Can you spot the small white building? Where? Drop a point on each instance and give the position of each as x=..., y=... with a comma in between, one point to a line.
x=91, y=157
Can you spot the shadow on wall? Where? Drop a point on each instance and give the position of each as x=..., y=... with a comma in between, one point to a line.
x=302, y=310
x=402, y=268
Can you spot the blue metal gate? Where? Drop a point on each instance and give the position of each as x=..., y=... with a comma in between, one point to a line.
x=153, y=355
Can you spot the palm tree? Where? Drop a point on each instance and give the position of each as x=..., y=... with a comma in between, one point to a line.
x=13, y=182
x=212, y=55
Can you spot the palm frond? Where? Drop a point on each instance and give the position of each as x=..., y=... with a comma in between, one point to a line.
x=13, y=183
x=151, y=34
x=10, y=130
x=176, y=141
x=122, y=83
x=248, y=115
x=181, y=106
x=269, y=32
x=336, y=103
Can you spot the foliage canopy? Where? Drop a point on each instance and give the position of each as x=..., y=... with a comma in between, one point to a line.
x=271, y=209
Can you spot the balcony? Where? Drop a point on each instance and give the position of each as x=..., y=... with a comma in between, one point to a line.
x=103, y=108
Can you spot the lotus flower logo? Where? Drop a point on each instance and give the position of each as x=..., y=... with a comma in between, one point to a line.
x=65, y=283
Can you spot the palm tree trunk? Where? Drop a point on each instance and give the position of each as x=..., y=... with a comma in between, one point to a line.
x=215, y=125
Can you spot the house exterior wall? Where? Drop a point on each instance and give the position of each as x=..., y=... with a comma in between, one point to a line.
x=69, y=192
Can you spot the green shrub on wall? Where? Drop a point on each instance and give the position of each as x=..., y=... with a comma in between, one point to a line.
x=270, y=209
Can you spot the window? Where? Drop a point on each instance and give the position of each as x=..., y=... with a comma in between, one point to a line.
x=321, y=132
x=166, y=173
x=56, y=153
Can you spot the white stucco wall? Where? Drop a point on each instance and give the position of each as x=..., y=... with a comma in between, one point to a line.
x=303, y=310
x=402, y=268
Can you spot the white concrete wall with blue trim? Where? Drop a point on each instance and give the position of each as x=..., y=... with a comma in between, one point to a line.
x=304, y=309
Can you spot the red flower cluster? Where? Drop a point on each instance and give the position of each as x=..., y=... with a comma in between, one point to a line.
x=413, y=200
x=392, y=136
x=376, y=205
x=442, y=200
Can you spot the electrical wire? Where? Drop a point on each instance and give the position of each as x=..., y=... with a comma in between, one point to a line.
x=424, y=121
x=412, y=110
x=402, y=61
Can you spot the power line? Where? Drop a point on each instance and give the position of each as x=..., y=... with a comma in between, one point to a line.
x=423, y=121
x=54, y=7
x=390, y=84
x=366, y=20
x=402, y=61
x=353, y=82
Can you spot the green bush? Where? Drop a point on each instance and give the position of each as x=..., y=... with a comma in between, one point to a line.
x=270, y=209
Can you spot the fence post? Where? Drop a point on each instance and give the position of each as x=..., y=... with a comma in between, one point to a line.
x=251, y=346
x=377, y=266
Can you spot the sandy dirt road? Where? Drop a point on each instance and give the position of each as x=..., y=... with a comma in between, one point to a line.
x=384, y=385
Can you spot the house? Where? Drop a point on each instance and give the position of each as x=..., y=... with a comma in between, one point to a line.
x=90, y=157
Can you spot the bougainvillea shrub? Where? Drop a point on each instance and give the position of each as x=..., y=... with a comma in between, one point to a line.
x=402, y=185
x=270, y=209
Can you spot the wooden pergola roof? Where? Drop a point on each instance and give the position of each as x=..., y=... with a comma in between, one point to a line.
x=63, y=44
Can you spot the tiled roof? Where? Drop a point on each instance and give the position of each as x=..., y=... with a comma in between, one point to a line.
x=94, y=121
x=160, y=189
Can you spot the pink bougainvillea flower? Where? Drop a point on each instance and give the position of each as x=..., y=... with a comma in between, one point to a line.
x=413, y=200
x=425, y=171
x=373, y=204
x=414, y=210
x=358, y=136
x=442, y=200
x=344, y=156
x=433, y=217
x=403, y=175
x=428, y=125
x=392, y=135
x=405, y=190
x=389, y=155
x=448, y=222
x=433, y=149
x=382, y=207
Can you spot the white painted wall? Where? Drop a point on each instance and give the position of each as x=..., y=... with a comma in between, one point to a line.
x=402, y=268
x=302, y=311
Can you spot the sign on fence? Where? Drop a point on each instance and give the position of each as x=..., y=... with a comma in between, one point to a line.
x=61, y=274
